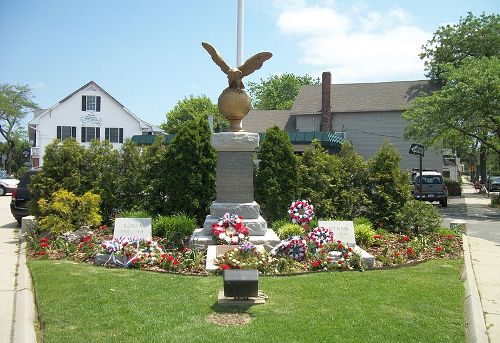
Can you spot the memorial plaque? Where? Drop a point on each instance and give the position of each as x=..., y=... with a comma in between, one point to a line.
x=235, y=176
x=342, y=231
x=133, y=227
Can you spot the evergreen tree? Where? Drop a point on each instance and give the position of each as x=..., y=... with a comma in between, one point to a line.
x=276, y=180
x=156, y=177
x=390, y=189
x=101, y=174
x=190, y=166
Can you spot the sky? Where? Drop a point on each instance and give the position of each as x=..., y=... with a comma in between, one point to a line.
x=148, y=54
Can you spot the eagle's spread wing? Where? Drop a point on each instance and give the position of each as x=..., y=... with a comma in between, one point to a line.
x=253, y=63
x=217, y=58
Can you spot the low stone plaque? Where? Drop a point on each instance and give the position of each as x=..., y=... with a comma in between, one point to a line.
x=342, y=230
x=133, y=227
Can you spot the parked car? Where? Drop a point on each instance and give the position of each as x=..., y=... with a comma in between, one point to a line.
x=21, y=196
x=433, y=188
x=493, y=184
x=7, y=183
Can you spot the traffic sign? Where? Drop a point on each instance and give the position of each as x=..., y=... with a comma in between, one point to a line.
x=417, y=149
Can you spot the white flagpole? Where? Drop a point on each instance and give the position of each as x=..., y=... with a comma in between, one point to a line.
x=239, y=48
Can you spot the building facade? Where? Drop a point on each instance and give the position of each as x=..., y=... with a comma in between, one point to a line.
x=86, y=114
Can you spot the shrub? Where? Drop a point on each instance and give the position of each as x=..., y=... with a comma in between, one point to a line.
x=134, y=214
x=276, y=179
x=190, y=163
x=174, y=228
x=65, y=211
x=453, y=187
x=290, y=229
x=495, y=201
x=279, y=223
x=418, y=217
x=364, y=234
x=362, y=220
x=390, y=189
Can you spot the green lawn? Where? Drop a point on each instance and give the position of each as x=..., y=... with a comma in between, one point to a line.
x=82, y=303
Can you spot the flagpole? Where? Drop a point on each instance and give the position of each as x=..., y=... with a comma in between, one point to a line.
x=239, y=47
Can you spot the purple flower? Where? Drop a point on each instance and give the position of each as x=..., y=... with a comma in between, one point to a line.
x=247, y=246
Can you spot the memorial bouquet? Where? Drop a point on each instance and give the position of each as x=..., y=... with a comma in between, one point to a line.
x=245, y=256
x=230, y=230
x=301, y=212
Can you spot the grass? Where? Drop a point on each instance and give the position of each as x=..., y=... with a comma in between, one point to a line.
x=82, y=303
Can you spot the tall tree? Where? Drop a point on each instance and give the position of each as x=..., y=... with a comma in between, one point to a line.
x=17, y=156
x=467, y=105
x=278, y=92
x=15, y=102
x=451, y=44
x=188, y=109
x=277, y=178
x=190, y=162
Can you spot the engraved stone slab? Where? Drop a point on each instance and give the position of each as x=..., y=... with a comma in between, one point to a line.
x=249, y=210
x=342, y=230
x=234, y=176
x=133, y=227
x=235, y=141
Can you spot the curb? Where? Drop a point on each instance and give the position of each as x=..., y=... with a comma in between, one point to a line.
x=25, y=310
x=474, y=318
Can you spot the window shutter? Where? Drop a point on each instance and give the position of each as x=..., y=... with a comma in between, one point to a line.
x=73, y=132
x=106, y=133
x=98, y=104
x=98, y=133
x=84, y=134
x=59, y=132
x=120, y=138
x=84, y=103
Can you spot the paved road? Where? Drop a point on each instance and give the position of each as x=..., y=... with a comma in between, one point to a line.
x=482, y=221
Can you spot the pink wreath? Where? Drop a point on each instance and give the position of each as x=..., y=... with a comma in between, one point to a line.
x=301, y=212
x=320, y=236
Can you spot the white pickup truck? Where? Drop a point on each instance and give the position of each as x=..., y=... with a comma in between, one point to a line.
x=433, y=188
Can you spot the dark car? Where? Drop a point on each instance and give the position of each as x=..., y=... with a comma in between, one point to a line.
x=21, y=196
x=493, y=184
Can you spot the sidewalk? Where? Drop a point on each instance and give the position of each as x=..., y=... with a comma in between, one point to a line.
x=17, y=315
x=482, y=266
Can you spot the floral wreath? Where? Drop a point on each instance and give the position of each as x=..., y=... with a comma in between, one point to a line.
x=230, y=230
x=296, y=248
x=301, y=212
x=320, y=236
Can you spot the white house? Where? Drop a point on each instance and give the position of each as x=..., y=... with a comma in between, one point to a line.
x=86, y=114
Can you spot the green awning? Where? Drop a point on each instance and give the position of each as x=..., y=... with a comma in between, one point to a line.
x=149, y=139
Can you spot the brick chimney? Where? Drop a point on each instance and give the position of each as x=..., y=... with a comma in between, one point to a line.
x=326, y=107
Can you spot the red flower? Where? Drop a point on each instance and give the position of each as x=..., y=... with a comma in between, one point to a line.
x=44, y=245
x=439, y=248
x=44, y=240
x=316, y=263
x=341, y=246
x=377, y=236
x=349, y=249
x=396, y=254
x=170, y=258
x=225, y=267
x=449, y=236
x=163, y=255
x=406, y=238
x=43, y=252
x=87, y=238
x=175, y=262
x=346, y=255
x=410, y=251
x=80, y=245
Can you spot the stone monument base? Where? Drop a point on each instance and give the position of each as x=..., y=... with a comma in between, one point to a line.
x=201, y=240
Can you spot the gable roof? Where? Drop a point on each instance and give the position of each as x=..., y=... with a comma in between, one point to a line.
x=142, y=123
x=261, y=120
x=362, y=97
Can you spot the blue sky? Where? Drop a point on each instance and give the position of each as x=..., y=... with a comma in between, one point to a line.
x=148, y=54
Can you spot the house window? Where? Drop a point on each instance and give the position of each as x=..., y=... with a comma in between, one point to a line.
x=114, y=134
x=90, y=133
x=64, y=132
x=91, y=103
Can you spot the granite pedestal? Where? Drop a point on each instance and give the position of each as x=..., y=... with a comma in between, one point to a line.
x=235, y=193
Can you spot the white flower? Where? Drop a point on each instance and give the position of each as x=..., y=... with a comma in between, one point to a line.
x=222, y=235
x=235, y=239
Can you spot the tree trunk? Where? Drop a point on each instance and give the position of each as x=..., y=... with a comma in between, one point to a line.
x=482, y=163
